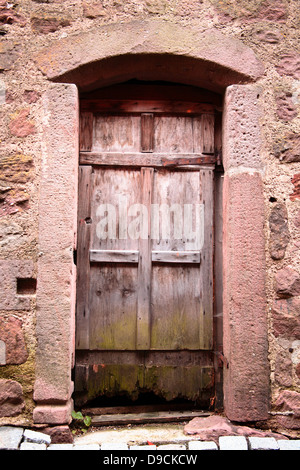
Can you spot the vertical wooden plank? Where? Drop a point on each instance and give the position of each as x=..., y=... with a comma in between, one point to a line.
x=218, y=137
x=113, y=286
x=145, y=264
x=175, y=287
x=147, y=132
x=218, y=294
x=86, y=131
x=208, y=133
x=83, y=262
x=206, y=267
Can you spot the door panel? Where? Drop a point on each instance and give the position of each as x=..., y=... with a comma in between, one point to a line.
x=177, y=209
x=175, y=302
x=134, y=279
x=117, y=133
x=113, y=191
x=113, y=307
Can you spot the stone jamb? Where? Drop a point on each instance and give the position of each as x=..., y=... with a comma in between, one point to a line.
x=56, y=276
x=245, y=335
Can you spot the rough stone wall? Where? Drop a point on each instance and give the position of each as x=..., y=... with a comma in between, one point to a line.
x=271, y=29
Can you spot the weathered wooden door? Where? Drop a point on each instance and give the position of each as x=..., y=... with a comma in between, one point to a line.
x=145, y=250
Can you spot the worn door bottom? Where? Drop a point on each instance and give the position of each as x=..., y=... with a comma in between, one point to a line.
x=181, y=376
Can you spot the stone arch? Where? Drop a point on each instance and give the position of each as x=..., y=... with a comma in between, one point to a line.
x=154, y=50
x=111, y=54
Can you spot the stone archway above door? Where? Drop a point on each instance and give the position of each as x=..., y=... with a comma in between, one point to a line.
x=116, y=53
x=154, y=50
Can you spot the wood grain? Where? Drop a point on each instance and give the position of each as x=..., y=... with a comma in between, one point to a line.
x=129, y=159
x=86, y=131
x=147, y=132
x=83, y=263
x=114, y=256
x=144, y=271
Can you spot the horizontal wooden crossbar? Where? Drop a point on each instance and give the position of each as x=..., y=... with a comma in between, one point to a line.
x=176, y=256
x=132, y=256
x=114, y=256
x=145, y=159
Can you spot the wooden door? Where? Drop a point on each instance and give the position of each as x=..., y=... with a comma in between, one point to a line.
x=145, y=250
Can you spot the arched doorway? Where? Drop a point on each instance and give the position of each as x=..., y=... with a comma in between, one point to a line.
x=145, y=253
x=154, y=51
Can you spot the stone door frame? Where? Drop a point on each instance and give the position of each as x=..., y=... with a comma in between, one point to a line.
x=245, y=331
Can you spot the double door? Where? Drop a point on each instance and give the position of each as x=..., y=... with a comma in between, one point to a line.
x=145, y=252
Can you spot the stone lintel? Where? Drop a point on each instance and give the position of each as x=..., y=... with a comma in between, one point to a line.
x=211, y=58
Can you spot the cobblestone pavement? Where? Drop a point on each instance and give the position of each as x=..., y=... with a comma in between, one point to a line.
x=17, y=438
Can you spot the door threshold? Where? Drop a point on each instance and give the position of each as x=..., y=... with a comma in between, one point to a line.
x=124, y=415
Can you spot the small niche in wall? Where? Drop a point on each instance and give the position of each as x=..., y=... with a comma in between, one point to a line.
x=26, y=286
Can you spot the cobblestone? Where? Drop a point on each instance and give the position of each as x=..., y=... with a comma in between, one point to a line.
x=263, y=443
x=36, y=437
x=202, y=445
x=10, y=437
x=289, y=445
x=17, y=438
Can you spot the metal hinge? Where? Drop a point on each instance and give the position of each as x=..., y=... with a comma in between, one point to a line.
x=222, y=360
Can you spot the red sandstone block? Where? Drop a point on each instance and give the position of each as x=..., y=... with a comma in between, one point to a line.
x=154, y=37
x=11, y=333
x=11, y=398
x=284, y=369
x=8, y=14
x=59, y=434
x=288, y=149
x=20, y=126
x=31, y=96
x=246, y=380
x=93, y=10
x=285, y=314
x=51, y=390
x=286, y=110
x=287, y=282
x=53, y=414
x=289, y=65
x=289, y=401
x=296, y=183
x=45, y=22
x=279, y=231
x=241, y=128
